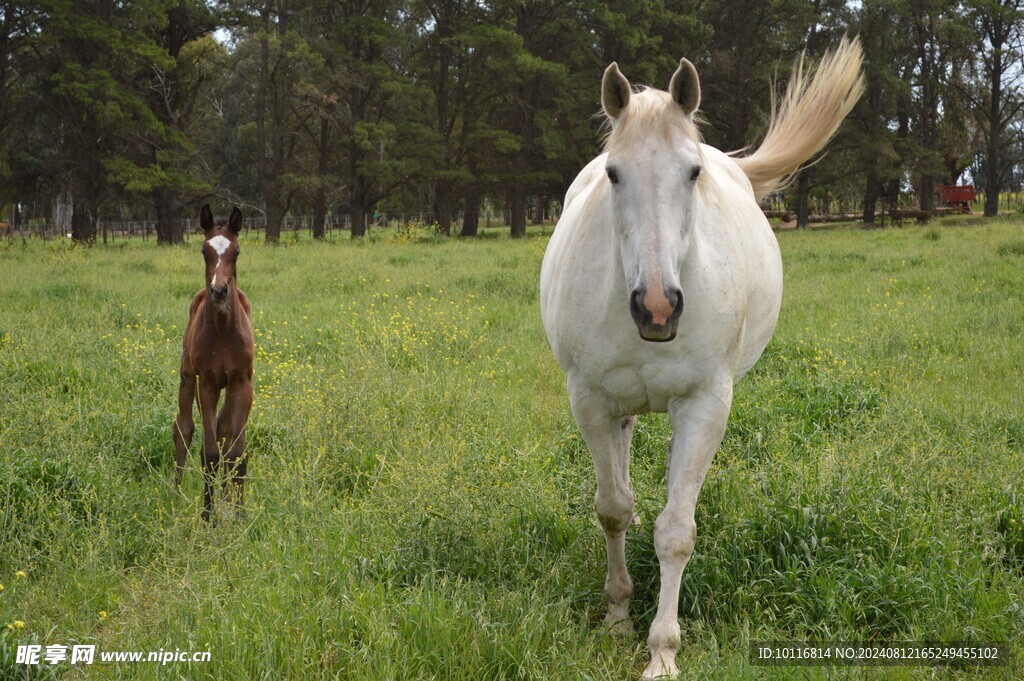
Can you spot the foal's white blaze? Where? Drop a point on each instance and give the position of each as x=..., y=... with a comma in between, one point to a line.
x=660, y=215
x=220, y=244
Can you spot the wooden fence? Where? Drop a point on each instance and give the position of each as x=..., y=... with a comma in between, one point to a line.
x=830, y=209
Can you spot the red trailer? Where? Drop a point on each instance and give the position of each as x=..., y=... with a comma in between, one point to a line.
x=952, y=196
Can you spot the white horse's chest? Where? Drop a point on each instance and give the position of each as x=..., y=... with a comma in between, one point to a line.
x=638, y=376
x=731, y=288
x=639, y=389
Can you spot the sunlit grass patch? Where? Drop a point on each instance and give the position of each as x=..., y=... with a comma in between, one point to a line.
x=420, y=502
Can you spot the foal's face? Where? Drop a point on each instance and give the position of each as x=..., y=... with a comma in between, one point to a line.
x=220, y=250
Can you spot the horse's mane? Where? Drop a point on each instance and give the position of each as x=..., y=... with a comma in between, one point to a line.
x=650, y=111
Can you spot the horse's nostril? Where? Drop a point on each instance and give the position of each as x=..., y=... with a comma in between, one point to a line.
x=636, y=305
x=675, y=298
x=636, y=301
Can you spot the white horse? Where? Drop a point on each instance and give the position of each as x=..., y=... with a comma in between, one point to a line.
x=663, y=235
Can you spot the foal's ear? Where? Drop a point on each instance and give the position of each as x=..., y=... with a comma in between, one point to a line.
x=206, y=218
x=685, y=87
x=235, y=221
x=614, y=91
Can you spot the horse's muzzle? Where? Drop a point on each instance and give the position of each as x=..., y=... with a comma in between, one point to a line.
x=656, y=316
x=219, y=295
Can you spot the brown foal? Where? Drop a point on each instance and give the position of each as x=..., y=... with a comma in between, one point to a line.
x=217, y=355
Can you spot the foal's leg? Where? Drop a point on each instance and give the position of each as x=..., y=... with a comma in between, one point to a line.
x=607, y=437
x=184, y=426
x=209, y=394
x=237, y=404
x=698, y=424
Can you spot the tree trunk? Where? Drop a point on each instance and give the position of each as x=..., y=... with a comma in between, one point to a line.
x=320, y=198
x=358, y=216
x=275, y=216
x=319, y=212
x=995, y=129
x=927, y=197
x=871, y=192
x=443, y=25
x=542, y=203
x=992, y=183
x=270, y=144
x=83, y=225
x=803, y=190
x=471, y=216
x=168, y=226
x=443, y=208
x=517, y=211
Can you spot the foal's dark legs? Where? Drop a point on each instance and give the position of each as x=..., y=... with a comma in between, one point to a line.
x=183, y=426
x=209, y=394
x=231, y=430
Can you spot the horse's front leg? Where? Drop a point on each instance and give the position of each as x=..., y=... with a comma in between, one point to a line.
x=209, y=394
x=607, y=437
x=698, y=425
x=184, y=426
x=237, y=404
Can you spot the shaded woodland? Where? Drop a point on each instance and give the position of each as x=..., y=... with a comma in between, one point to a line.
x=452, y=109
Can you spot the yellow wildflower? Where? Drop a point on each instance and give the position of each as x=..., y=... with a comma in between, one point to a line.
x=20, y=574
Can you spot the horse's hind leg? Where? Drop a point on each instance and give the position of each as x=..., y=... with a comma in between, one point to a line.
x=607, y=437
x=237, y=404
x=183, y=426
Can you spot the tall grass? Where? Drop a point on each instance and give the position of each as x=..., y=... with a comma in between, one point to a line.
x=420, y=501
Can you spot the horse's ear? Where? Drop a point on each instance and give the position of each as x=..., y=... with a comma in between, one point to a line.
x=614, y=91
x=206, y=218
x=685, y=87
x=235, y=221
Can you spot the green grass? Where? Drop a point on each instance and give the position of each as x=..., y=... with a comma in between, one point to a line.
x=420, y=502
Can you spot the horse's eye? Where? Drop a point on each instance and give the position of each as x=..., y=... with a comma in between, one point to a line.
x=613, y=175
x=694, y=174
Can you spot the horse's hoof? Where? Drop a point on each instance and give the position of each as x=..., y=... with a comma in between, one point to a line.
x=619, y=628
x=660, y=669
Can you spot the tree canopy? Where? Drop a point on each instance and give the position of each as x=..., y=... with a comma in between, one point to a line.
x=148, y=109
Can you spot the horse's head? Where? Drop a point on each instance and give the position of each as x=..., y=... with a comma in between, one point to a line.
x=220, y=250
x=653, y=165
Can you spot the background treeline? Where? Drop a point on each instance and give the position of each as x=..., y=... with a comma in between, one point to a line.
x=142, y=110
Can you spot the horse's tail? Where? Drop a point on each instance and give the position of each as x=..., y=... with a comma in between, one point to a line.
x=809, y=115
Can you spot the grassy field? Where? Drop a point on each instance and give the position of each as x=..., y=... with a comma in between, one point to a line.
x=420, y=502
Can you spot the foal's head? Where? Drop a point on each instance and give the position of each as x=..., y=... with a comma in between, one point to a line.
x=654, y=162
x=220, y=250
